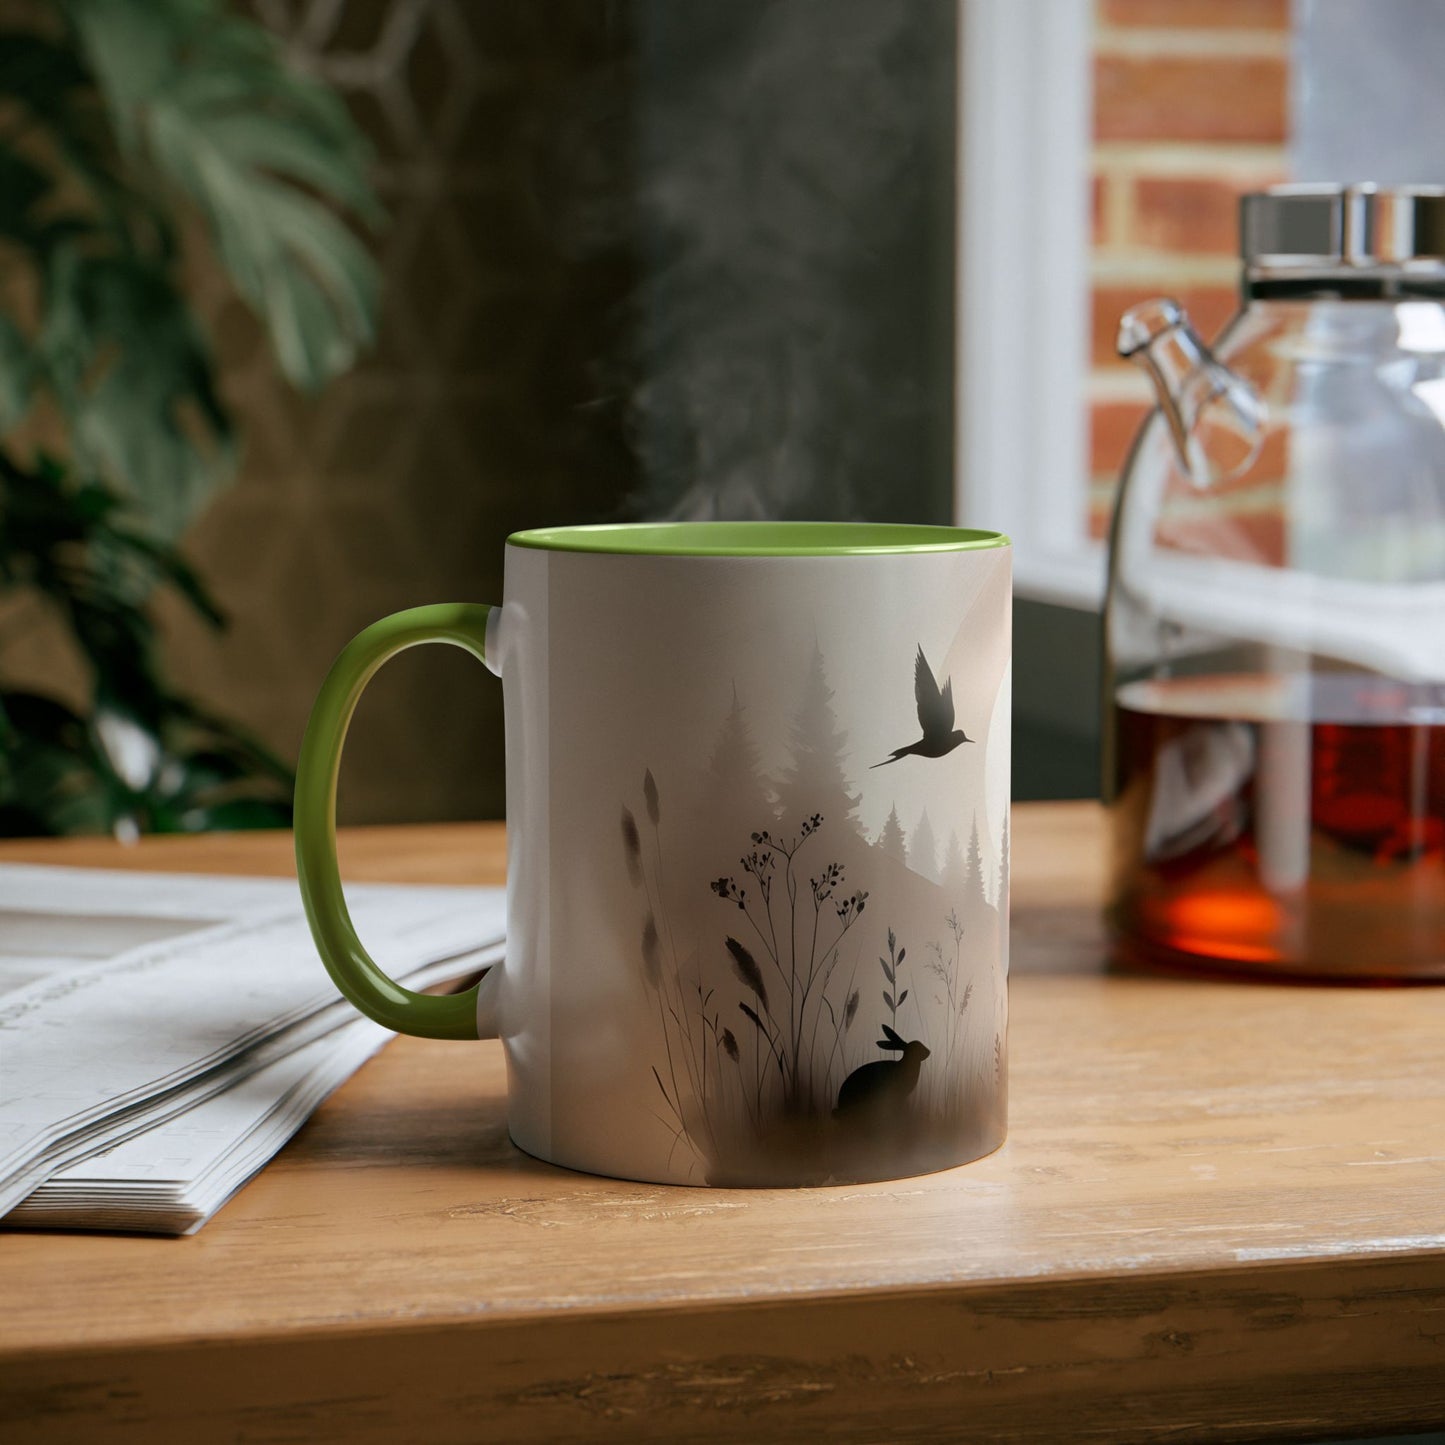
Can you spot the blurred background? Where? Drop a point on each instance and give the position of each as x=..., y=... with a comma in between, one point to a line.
x=307, y=304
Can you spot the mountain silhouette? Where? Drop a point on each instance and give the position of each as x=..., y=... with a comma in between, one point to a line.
x=935, y=717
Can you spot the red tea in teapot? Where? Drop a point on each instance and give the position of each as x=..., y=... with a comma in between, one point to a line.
x=1281, y=824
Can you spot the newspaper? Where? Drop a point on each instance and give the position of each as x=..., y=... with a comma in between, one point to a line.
x=162, y=1035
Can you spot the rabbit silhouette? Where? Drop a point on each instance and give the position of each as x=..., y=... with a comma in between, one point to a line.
x=875, y=1088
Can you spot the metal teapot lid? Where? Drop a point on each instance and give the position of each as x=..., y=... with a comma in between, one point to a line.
x=1328, y=228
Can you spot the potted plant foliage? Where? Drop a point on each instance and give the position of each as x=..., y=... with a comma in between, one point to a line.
x=126, y=125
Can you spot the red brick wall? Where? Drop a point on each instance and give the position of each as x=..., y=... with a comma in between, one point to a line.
x=1190, y=110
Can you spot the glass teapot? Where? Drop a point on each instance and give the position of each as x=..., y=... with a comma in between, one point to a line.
x=1275, y=624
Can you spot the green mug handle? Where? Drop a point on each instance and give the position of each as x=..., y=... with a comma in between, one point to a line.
x=429, y=1016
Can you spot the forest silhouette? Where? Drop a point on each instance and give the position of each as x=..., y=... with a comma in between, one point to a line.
x=776, y=942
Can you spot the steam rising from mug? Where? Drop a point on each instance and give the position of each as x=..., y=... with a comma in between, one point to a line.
x=789, y=339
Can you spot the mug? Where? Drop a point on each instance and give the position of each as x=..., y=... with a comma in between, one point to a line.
x=757, y=847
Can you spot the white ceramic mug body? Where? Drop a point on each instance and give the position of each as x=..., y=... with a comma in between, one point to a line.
x=747, y=944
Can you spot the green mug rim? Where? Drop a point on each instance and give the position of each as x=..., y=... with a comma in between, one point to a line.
x=757, y=539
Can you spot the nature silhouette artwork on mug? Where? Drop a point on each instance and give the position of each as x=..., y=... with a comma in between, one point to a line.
x=824, y=994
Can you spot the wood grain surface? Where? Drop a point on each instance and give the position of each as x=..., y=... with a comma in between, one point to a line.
x=1220, y=1214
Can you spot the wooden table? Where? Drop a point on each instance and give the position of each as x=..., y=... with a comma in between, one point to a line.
x=1220, y=1213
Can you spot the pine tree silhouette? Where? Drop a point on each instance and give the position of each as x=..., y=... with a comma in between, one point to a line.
x=739, y=799
x=814, y=781
x=735, y=755
x=891, y=839
x=955, y=874
x=923, y=850
x=1003, y=866
x=976, y=897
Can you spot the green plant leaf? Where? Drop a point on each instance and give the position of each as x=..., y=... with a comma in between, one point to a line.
x=61, y=773
x=126, y=108
x=55, y=98
x=133, y=376
x=236, y=814
x=170, y=566
x=248, y=752
x=49, y=783
x=22, y=187
x=37, y=72
x=17, y=371
x=262, y=150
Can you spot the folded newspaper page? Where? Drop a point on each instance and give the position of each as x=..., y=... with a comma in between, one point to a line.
x=129, y=1002
x=172, y=1176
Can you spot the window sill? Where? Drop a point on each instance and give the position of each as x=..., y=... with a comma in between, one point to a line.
x=1073, y=578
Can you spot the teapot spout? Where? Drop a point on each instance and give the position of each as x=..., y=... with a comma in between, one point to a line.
x=1216, y=418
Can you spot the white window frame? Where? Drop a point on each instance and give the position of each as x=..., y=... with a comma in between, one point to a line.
x=1025, y=120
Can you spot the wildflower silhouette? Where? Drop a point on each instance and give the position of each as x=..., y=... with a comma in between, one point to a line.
x=800, y=948
x=891, y=967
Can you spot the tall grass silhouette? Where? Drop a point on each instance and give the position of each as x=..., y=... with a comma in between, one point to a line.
x=762, y=1017
x=798, y=931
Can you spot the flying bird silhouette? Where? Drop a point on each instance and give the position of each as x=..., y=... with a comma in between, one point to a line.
x=935, y=717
